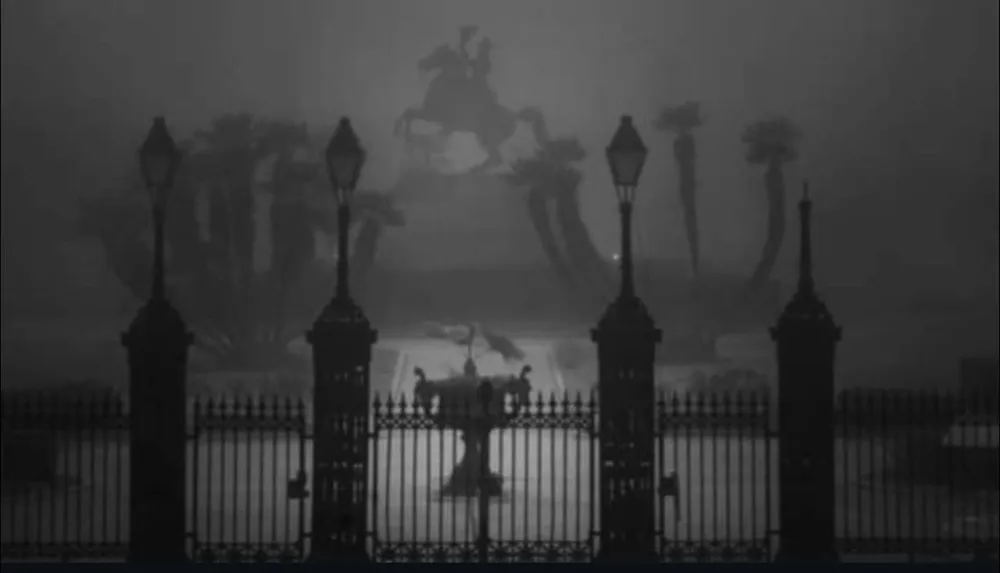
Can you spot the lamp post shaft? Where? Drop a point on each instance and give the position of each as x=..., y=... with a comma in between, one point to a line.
x=159, y=290
x=343, y=251
x=627, y=285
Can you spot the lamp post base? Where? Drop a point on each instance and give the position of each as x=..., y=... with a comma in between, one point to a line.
x=624, y=555
x=785, y=556
x=338, y=553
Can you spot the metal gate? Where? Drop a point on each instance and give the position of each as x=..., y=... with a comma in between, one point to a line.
x=250, y=470
x=545, y=456
x=716, y=469
x=247, y=470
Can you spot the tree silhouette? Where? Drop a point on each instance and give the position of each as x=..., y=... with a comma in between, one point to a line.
x=245, y=302
x=681, y=120
x=553, y=189
x=771, y=142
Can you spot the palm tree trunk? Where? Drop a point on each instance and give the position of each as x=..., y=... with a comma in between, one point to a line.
x=684, y=155
x=583, y=255
x=365, y=250
x=539, y=214
x=774, y=181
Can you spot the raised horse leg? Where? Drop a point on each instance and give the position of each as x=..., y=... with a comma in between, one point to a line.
x=493, y=160
x=496, y=127
x=465, y=477
x=404, y=120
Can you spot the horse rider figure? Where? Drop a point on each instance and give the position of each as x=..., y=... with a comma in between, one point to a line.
x=460, y=98
x=465, y=35
x=476, y=70
x=481, y=66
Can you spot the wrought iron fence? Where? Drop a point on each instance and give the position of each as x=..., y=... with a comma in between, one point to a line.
x=248, y=458
x=713, y=463
x=426, y=503
x=717, y=469
x=916, y=475
x=65, y=476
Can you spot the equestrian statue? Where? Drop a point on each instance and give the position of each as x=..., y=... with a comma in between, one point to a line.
x=460, y=98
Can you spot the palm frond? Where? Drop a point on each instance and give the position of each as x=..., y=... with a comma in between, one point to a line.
x=564, y=150
x=772, y=138
x=680, y=118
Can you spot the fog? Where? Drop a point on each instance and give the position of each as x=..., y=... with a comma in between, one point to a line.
x=896, y=101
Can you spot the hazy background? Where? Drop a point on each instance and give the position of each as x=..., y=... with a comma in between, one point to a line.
x=897, y=100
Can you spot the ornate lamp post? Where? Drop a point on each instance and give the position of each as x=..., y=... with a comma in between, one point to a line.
x=626, y=339
x=342, y=340
x=807, y=338
x=157, y=342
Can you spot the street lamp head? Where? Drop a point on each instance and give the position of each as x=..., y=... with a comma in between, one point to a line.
x=159, y=158
x=626, y=157
x=344, y=159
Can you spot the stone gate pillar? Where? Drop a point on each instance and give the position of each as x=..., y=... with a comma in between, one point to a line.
x=626, y=339
x=157, y=342
x=806, y=338
x=342, y=340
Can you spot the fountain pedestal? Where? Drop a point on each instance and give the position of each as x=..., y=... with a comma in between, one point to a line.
x=472, y=473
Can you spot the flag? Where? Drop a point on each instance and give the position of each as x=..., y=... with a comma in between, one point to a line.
x=461, y=334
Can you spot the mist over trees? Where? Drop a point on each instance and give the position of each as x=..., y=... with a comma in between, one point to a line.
x=553, y=206
x=244, y=218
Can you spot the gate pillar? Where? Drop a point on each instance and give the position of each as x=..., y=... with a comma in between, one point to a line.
x=157, y=342
x=626, y=339
x=342, y=340
x=806, y=338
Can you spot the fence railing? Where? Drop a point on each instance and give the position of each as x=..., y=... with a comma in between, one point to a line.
x=542, y=457
x=916, y=475
x=243, y=456
x=717, y=465
x=65, y=476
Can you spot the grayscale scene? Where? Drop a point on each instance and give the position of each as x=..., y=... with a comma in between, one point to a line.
x=500, y=281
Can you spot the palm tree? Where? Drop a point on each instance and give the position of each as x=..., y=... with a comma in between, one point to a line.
x=681, y=120
x=532, y=173
x=771, y=142
x=245, y=314
x=374, y=211
x=552, y=180
x=586, y=260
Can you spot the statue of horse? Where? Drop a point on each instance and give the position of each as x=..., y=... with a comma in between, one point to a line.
x=474, y=405
x=457, y=102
